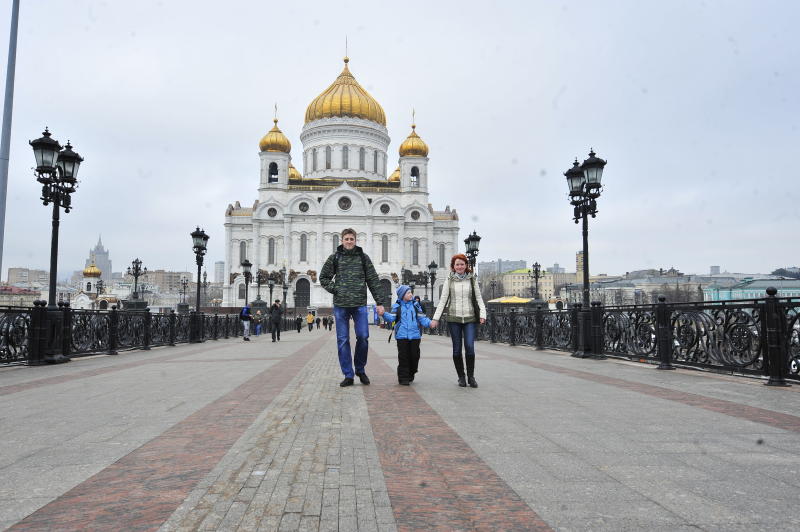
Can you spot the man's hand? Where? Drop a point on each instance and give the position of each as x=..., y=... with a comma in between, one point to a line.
x=434, y=324
x=483, y=320
x=380, y=310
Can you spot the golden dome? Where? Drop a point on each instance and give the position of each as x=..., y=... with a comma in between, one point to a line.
x=395, y=175
x=345, y=97
x=275, y=140
x=294, y=173
x=92, y=271
x=413, y=146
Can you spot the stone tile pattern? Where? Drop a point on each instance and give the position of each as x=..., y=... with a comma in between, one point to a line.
x=434, y=479
x=141, y=490
x=308, y=463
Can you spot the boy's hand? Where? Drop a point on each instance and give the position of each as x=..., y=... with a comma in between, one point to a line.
x=380, y=310
x=434, y=324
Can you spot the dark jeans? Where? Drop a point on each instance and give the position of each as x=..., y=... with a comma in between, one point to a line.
x=361, y=327
x=276, y=330
x=463, y=332
x=407, y=359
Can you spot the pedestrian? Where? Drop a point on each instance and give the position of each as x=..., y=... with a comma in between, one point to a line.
x=245, y=316
x=318, y=321
x=298, y=322
x=421, y=304
x=347, y=274
x=330, y=323
x=462, y=300
x=310, y=321
x=325, y=323
x=407, y=317
x=257, y=321
x=275, y=317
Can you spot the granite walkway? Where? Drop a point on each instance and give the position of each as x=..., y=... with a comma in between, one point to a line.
x=233, y=435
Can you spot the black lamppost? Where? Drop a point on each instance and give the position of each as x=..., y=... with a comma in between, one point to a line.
x=100, y=286
x=56, y=170
x=205, y=288
x=584, y=182
x=248, y=276
x=184, y=286
x=472, y=242
x=285, y=289
x=135, y=270
x=535, y=273
x=493, y=285
x=199, y=244
x=271, y=284
x=432, y=267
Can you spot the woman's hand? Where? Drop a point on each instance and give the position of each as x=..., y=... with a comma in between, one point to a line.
x=483, y=320
x=434, y=324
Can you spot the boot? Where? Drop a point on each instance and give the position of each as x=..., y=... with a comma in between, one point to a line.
x=471, y=372
x=458, y=362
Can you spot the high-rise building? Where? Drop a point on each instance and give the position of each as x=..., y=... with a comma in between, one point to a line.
x=715, y=270
x=99, y=257
x=219, y=271
x=28, y=277
x=500, y=266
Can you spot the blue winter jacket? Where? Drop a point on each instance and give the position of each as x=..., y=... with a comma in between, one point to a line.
x=412, y=318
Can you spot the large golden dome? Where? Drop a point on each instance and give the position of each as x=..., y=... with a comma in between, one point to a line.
x=345, y=97
x=92, y=271
x=294, y=173
x=275, y=140
x=413, y=146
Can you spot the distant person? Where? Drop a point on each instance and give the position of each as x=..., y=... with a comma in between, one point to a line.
x=462, y=299
x=298, y=322
x=318, y=321
x=275, y=317
x=407, y=317
x=325, y=323
x=330, y=323
x=257, y=321
x=347, y=274
x=245, y=316
x=310, y=321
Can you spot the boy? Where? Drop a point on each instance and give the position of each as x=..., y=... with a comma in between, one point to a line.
x=407, y=317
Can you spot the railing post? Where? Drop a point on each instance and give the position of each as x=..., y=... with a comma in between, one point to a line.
x=512, y=327
x=775, y=359
x=38, y=333
x=492, y=325
x=147, y=338
x=225, y=327
x=172, y=319
x=113, y=330
x=664, y=338
x=598, y=339
x=66, y=330
x=216, y=327
x=577, y=329
x=538, y=319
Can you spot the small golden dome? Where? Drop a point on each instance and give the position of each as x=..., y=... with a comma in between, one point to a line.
x=395, y=175
x=92, y=271
x=345, y=97
x=275, y=140
x=413, y=146
x=294, y=173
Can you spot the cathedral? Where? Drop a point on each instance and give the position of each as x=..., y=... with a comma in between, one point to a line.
x=296, y=221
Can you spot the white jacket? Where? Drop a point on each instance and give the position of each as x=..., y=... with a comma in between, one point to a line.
x=457, y=298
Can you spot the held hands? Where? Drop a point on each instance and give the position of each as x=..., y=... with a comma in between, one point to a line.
x=483, y=320
x=380, y=310
x=434, y=324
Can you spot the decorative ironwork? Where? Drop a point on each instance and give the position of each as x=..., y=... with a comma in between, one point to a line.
x=90, y=331
x=183, y=325
x=557, y=330
x=630, y=331
x=130, y=330
x=160, y=329
x=15, y=332
x=791, y=314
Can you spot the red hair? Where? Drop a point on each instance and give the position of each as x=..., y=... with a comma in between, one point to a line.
x=463, y=257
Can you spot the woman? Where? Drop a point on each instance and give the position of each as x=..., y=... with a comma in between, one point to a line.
x=462, y=299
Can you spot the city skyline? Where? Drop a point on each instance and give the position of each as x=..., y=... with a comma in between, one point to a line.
x=696, y=131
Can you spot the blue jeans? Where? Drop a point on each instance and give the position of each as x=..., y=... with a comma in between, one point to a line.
x=361, y=326
x=465, y=331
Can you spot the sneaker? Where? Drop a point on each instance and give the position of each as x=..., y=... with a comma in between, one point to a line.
x=346, y=382
x=472, y=382
x=246, y=339
x=405, y=383
x=462, y=382
x=363, y=378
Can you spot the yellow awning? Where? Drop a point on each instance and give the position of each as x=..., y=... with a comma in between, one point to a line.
x=511, y=300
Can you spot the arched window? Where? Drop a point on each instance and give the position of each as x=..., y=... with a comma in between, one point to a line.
x=335, y=242
x=271, y=251
x=441, y=255
x=88, y=287
x=414, y=176
x=375, y=161
x=242, y=251
x=415, y=252
x=327, y=157
x=361, y=156
x=384, y=248
x=345, y=158
x=386, y=289
x=103, y=305
x=314, y=160
x=303, y=248
x=273, y=173
x=302, y=293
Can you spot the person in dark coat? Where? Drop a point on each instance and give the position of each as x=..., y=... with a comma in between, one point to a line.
x=318, y=321
x=298, y=322
x=275, y=317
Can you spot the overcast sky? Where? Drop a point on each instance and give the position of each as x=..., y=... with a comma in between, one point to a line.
x=694, y=104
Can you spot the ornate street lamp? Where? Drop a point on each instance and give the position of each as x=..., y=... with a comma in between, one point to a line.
x=472, y=242
x=199, y=245
x=584, y=182
x=184, y=286
x=57, y=171
x=135, y=270
x=432, y=267
x=285, y=284
x=493, y=285
x=535, y=274
x=271, y=284
x=248, y=276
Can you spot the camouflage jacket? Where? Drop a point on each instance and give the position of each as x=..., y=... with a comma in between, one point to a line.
x=346, y=274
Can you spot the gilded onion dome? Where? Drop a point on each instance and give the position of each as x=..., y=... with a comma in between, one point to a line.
x=413, y=146
x=275, y=140
x=92, y=271
x=345, y=97
x=395, y=175
x=294, y=173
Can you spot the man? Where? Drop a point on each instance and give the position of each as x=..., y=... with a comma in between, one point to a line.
x=275, y=317
x=347, y=274
x=245, y=316
x=298, y=323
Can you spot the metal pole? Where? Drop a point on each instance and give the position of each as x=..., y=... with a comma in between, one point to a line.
x=5, y=141
x=51, y=297
x=586, y=304
x=199, y=266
